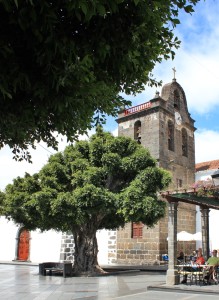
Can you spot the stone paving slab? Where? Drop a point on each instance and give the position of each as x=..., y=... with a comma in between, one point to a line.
x=23, y=282
x=181, y=288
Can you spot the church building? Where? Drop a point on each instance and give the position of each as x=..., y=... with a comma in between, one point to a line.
x=165, y=127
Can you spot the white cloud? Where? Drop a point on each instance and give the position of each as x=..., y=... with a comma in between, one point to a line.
x=11, y=169
x=196, y=61
x=206, y=145
x=196, y=73
x=199, y=80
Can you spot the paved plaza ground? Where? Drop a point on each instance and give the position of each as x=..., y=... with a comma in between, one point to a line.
x=23, y=282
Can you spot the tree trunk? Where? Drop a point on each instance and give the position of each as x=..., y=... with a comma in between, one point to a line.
x=86, y=250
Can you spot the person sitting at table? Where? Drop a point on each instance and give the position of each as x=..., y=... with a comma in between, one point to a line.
x=180, y=258
x=193, y=257
x=213, y=261
x=199, y=260
x=194, y=265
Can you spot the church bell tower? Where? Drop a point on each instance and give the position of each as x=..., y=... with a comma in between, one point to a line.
x=165, y=127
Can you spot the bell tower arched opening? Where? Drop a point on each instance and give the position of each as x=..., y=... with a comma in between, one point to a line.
x=184, y=143
x=170, y=136
x=137, y=131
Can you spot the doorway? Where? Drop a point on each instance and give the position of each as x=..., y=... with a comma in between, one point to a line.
x=23, y=249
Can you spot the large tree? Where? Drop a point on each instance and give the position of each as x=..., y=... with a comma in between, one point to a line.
x=62, y=61
x=96, y=184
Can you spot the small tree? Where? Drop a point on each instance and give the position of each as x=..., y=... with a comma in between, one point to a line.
x=96, y=184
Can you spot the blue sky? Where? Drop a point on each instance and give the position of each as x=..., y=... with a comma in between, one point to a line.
x=197, y=65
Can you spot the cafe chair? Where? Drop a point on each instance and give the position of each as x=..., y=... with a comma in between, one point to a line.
x=198, y=276
x=183, y=272
x=210, y=275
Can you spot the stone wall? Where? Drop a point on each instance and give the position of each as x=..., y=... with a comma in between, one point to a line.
x=112, y=246
x=67, y=247
x=137, y=251
x=148, y=250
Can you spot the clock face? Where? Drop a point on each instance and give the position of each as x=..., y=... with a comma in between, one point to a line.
x=178, y=118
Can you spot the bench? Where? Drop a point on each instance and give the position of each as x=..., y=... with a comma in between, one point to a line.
x=51, y=268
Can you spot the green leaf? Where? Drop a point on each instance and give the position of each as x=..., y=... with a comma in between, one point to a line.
x=101, y=10
x=84, y=7
x=16, y=3
x=189, y=9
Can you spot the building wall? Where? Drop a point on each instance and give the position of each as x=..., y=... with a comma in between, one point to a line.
x=137, y=251
x=8, y=234
x=154, y=118
x=43, y=246
x=213, y=215
x=46, y=246
x=148, y=250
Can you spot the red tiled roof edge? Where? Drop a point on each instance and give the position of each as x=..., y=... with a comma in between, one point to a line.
x=207, y=165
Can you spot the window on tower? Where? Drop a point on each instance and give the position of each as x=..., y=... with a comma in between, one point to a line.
x=137, y=131
x=170, y=136
x=179, y=183
x=184, y=142
x=176, y=99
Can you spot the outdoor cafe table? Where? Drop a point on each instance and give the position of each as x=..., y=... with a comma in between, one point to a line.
x=195, y=266
x=197, y=271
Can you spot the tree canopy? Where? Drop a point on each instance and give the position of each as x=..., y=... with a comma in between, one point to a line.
x=64, y=63
x=96, y=184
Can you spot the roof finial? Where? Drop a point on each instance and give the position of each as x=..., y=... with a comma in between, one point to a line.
x=157, y=94
x=174, y=74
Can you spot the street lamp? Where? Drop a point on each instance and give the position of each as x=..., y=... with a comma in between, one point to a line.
x=215, y=177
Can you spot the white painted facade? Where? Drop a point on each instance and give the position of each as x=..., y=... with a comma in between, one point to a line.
x=8, y=233
x=44, y=246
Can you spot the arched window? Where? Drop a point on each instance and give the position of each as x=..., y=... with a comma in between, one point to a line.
x=137, y=131
x=176, y=99
x=184, y=142
x=170, y=136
